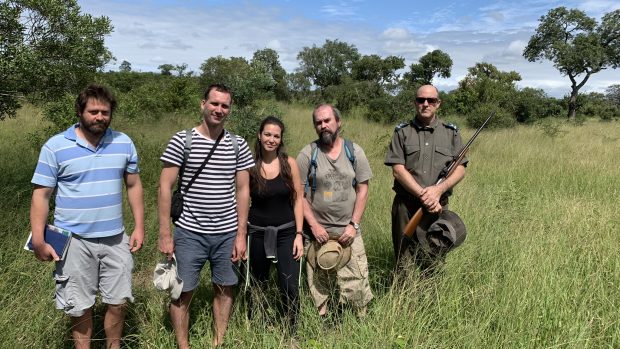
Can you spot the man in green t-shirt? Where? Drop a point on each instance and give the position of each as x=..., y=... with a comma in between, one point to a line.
x=333, y=208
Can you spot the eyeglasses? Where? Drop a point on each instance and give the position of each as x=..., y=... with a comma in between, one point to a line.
x=430, y=100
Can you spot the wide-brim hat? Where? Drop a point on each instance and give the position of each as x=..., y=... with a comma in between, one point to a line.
x=445, y=232
x=330, y=256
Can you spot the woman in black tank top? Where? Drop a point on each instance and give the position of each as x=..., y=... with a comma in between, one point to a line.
x=275, y=220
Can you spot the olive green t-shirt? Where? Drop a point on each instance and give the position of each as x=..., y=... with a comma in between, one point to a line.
x=334, y=198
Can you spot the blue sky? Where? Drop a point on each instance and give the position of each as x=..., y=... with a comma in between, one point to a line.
x=150, y=33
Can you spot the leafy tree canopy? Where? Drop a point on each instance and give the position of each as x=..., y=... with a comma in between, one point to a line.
x=376, y=69
x=47, y=48
x=576, y=45
x=268, y=60
x=613, y=94
x=125, y=66
x=329, y=64
x=435, y=63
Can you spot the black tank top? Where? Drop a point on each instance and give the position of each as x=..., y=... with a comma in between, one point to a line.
x=272, y=207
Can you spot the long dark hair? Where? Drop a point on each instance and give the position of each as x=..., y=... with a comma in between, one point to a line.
x=257, y=181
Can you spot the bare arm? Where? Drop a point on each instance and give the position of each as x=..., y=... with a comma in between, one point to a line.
x=39, y=209
x=135, y=196
x=167, y=180
x=298, y=209
x=405, y=179
x=361, y=197
x=243, y=207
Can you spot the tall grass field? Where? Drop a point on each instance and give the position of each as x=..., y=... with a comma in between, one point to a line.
x=540, y=267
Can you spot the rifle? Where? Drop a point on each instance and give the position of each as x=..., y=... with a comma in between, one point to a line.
x=445, y=173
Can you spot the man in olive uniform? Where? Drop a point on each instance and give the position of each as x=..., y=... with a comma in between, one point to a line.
x=419, y=150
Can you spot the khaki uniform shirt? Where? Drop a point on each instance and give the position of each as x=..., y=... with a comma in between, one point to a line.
x=424, y=150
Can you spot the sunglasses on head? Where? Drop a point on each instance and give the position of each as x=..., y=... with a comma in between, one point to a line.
x=430, y=100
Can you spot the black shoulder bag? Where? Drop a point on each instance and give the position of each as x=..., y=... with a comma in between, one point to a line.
x=176, y=207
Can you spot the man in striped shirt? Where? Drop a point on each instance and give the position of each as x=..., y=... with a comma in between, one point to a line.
x=213, y=225
x=87, y=166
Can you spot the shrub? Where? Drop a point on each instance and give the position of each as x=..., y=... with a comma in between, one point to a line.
x=245, y=121
x=501, y=119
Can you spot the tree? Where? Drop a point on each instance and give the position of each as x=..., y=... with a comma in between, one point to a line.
x=298, y=85
x=166, y=69
x=47, y=48
x=248, y=82
x=181, y=68
x=329, y=64
x=375, y=69
x=613, y=94
x=125, y=67
x=577, y=47
x=267, y=59
x=435, y=63
x=486, y=89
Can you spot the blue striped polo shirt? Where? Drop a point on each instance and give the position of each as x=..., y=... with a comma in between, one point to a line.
x=89, y=181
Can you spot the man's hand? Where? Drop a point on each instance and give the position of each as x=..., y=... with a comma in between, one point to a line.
x=136, y=240
x=320, y=234
x=238, y=252
x=347, y=236
x=45, y=252
x=166, y=245
x=430, y=198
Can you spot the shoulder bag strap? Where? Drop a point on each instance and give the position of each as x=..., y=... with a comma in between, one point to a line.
x=204, y=163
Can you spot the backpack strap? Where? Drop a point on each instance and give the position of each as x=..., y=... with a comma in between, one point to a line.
x=311, y=179
x=348, y=149
x=186, y=151
x=235, y=144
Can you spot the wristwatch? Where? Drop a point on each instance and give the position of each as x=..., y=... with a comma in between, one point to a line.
x=355, y=226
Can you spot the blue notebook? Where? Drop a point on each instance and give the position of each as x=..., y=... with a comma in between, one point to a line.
x=58, y=238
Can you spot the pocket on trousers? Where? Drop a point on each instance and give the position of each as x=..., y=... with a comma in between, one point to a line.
x=65, y=292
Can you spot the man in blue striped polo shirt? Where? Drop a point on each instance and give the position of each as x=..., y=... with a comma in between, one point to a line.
x=87, y=165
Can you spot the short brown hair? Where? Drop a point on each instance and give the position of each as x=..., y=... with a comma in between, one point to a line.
x=219, y=88
x=95, y=91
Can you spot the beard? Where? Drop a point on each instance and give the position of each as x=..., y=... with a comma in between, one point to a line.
x=328, y=138
x=94, y=128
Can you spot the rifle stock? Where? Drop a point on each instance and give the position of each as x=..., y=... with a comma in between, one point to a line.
x=413, y=222
x=417, y=216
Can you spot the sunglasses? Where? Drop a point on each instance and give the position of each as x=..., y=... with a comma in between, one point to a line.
x=430, y=100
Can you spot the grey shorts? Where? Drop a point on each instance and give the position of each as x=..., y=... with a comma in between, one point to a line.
x=91, y=265
x=193, y=250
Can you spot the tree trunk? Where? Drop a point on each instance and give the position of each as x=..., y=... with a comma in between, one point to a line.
x=572, y=103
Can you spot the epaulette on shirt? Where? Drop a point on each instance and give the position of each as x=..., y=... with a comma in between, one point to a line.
x=452, y=127
x=401, y=125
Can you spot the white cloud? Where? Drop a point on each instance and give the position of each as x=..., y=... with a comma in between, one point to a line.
x=517, y=46
x=396, y=34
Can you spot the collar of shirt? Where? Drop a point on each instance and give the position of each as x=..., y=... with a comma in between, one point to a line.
x=418, y=126
x=71, y=135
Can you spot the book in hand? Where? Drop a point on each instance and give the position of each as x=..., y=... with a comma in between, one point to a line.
x=58, y=238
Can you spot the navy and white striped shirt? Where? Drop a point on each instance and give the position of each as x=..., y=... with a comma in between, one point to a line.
x=209, y=206
x=89, y=181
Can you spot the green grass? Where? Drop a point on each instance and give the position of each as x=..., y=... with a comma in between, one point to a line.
x=539, y=269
